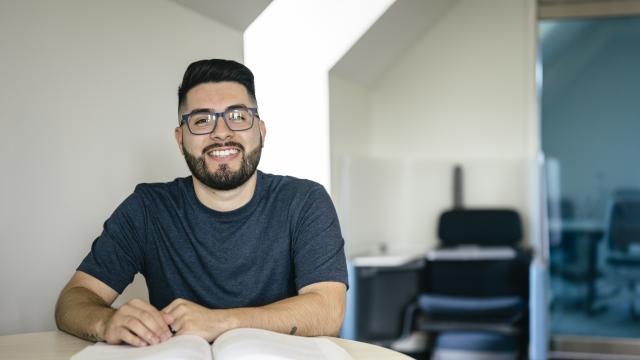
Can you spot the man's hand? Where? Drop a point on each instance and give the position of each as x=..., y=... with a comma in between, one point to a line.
x=137, y=323
x=188, y=318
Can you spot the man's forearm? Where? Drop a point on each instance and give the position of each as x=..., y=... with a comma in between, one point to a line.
x=310, y=314
x=82, y=313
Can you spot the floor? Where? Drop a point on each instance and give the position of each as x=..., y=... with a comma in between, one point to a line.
x=612, y=316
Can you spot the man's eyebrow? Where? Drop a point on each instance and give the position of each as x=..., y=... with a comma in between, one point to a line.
x=235, y=106
x=230, y=107
x=199, y=110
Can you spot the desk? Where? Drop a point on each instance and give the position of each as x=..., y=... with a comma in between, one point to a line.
x=56, y=345
x=380, y=287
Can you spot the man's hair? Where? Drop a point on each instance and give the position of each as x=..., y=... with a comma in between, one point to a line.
x=215, y=70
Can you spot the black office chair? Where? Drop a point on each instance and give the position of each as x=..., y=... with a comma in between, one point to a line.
x=622, y=239
x=474, y=289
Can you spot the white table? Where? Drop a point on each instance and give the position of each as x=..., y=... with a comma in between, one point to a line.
x=56, y=345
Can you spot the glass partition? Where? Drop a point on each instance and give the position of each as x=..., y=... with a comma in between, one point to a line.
x=590, y=126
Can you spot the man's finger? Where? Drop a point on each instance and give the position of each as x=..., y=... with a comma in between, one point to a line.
x=131, y=339
x=154, y=321
x=152, y=318
x=176, y=327
x=171, y=307
x=135, y=326
x=168, y=318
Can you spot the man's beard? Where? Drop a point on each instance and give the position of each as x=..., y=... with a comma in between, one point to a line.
x=223, y=178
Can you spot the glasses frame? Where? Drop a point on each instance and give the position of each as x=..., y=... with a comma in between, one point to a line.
x=184, y=118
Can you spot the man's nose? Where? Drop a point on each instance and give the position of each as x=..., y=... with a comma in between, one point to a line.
x=221, y=131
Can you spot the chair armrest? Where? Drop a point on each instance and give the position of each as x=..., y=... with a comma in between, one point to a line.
x=507, y=307
x=470, y=253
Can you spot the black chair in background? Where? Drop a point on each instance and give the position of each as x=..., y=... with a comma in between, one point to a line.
x=573, y=261
x=474, y=288
x=622, y=240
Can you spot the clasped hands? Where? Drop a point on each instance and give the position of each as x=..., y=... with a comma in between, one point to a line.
x=139, y=323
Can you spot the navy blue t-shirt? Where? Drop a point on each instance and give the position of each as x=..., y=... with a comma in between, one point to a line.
x=286, y=237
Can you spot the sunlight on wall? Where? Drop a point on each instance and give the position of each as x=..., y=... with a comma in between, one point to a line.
x=291, y=59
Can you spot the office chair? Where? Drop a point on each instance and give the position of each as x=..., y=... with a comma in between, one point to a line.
x=622, y=240
x=474, y=289
x=573, y=260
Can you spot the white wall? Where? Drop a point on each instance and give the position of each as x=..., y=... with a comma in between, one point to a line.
x=290, y=48
x=394, y=203
x=462, y=86
x=464, y=93
x=88, y=106
x=349, y=134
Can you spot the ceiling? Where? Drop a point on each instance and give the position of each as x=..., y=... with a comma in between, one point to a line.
x=395, y=33
x=397, y=30
x=237, y=14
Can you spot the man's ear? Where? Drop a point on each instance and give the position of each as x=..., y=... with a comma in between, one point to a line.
x=263, y=131
x=178, y=135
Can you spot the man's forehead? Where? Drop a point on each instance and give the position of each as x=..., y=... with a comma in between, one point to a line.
x=217, y=94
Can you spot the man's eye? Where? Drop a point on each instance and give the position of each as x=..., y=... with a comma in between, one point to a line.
x=237, y=116
x=200, y=120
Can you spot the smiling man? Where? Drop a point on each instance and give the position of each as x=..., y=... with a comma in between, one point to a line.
x=227, y=247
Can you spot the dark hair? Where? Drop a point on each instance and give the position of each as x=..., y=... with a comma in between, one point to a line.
x=215, y=70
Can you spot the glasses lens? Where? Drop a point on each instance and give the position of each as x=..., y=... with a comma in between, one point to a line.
x=239, y=119
x=201, y=123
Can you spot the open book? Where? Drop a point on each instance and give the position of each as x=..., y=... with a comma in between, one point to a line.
x=237, y=344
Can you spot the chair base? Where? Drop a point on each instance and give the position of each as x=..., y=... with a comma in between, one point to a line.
x=472, y=345
x=450, y=354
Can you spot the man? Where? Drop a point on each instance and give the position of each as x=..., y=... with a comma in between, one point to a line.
x=227, y=247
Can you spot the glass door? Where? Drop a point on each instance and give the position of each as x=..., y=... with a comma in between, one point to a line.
x=590, y=132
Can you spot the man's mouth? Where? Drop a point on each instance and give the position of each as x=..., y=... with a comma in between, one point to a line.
x=223, y=153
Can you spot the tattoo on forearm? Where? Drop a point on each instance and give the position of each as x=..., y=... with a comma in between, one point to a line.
x=90, y=337
x=293, y=330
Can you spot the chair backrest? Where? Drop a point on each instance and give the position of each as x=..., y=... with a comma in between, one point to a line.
x=482, y=227
x=623, y=223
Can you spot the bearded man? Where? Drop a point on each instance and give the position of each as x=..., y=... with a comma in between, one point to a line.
x=227, y=247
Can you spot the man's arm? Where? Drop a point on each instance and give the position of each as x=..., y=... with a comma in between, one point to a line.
x=317, y=310
x=84, y=309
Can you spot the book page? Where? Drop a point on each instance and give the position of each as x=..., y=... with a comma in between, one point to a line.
x=182, y=347
x=249, y=344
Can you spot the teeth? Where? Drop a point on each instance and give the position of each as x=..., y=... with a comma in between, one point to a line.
x=221, y=153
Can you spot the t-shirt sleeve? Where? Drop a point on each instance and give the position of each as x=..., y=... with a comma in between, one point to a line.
x=318, y=246
x=116, y=255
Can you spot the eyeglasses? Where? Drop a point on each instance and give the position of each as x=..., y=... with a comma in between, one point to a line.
x=205, y=121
